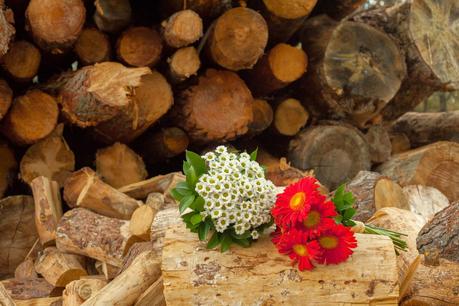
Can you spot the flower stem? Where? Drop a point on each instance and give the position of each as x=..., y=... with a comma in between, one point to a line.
x=399, y=243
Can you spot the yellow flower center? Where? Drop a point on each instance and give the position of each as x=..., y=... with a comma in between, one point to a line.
x=328, y=242
x=297, y=201
x=300, y=249
x=312, y=219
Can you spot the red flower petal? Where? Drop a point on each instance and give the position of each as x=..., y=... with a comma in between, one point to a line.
x=336, y=244
x=319, y=218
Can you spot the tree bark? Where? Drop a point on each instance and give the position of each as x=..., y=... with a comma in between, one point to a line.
x=290, y=117
x=380, y=145
x=153, y=296
x=8, y=167
x=6, y=97
x=26, y=269
x=183, y=64
x=205, y=8
x=400, y=143
x=92, y=46
x=182, y=28
x=139, y=47
x=112, y=15
x=163, y=144
x=8, y=30
x=78, y=291
x=425, y=201
x=31, y=288
x=22, y=61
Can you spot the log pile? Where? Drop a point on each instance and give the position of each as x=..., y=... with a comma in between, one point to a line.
x=100, y=99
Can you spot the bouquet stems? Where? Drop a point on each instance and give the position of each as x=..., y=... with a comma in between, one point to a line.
x=396, y=237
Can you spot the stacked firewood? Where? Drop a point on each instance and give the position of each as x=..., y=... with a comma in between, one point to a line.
x=99, y=100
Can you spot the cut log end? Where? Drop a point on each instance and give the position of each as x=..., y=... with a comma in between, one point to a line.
x=182, y=29
x=92, y=47
x=289, y=117
x=22, y=61
x=139, y=47
x=263, y=116
x=184, y=63
x=141, y=221
x=164, y=144
x=293, y=9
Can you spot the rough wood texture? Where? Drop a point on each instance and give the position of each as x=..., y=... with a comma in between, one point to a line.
x=426, y=128
x=50, y=157
x=22, y=61
x=81, y=231
x=8, y=167
x=289, y=117
x=55, y=24
x=26, y=289
x=153, y=296
x=108, y=271
x=279, y=67
x=120, y=159
x=336, y=153
x=5, y=298
x=354, y=69
x=6, y=97
x=136, y=249
x=166, y=218
x=85, y=189
x=435, y=165
x=129, y=285
x=31, y=118
x=424, y=200
x=141, y=221
x=441, y=234
x=78, y=291
x=112, y=15
x=163, y=144
x=92, y=47
x=218, y=108
x=59, y=268
x=161, y=183
x=380, y=145
x=238, y=39
x=182, y=29
x=18, y=232
x=205, y=8
x=26, y=269
x=8, y=30
x=399, y=142
x=194, y=275
x=48, y=208
x=183, y=64
x=139, y=47
x=52, y=301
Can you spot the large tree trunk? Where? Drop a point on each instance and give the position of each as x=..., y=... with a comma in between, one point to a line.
x=354, y=69
x=435, y=165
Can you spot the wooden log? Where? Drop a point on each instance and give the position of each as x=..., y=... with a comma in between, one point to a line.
x=289, y=117
x=399, y=143
x=92, y=46
x=279, y=67
x=182, y=28
x=22, y=61
x=5, y=298
x=424, y=200
x=50, y=157
x=26, y=269
x=8, y=167
x=153, y=296
x=141, y=221
x=163, y=144
x=155, y=200
x=136, y=249
x=120, y=159
x=238, y=39
x=59, y=268
x=83, y=232
x=18, y=232
x=379, y=141
x=129, y=285
x=54, y=24
x=183, y=64
x=441, y=234
x=112, y=15
x=426, y=128
x=263, y=116
x=139, y=47
x=51, y=301
x=48, y=208
x=218, y=108
x=31, y=118
x=188, y=268
x=435, y=165
x=429, y=56
x=8, y=30
x=6, y=97
x=78, y=291
x=336, y=153
x=205, y=8
x=338, y=9
x=354, y=69
x=166, y=218
x=373, y=192
x=106, y=270
x=30, y=288
x=85, y=189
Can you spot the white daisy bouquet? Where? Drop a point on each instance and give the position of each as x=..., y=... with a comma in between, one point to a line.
x=225, y=194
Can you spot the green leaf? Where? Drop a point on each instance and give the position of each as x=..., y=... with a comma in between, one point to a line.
x=226, y=242
x=176, y=195
x=186, y=217
x=190, y=173
x=198, y=204
x=186, y=202
x=349, y=213
x=203, y=230
x=214, y=240
x=196, y=218
x=183, y=189
x=253, y=155
x=243, y=242
x=242, y=236
x=348, y=223
x=338, y=219
x=197, y=162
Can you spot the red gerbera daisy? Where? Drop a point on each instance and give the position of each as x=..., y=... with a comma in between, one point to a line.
x=276, y=235
x=295, y=244
x=336, y=243
x=294, y=203
x=319, y=217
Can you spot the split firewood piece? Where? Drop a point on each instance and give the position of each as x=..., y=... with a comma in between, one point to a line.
x=238, y=39
x=354, y=69
x=435, y=165
x=139, y=47
x=55, y=25
x=83, y=232
x=182, y=29
x=5, y=298
x=289, y=117
x=18, y=232
x=48, y=208
x=8, y=30
x=183, y=64
x=22, y=61
x=153, y=296
x=380, y=145
x=108, y=271
x=8, y=167
x=129, y=285
x=85, y=189
x=399, y=143
x=50, y=157
x=279, y=67
x=6, y=97
x=164, y=219
x=141, y=221
x=78, y=291
x=163, y=144
x=31, y=118
x=112, y=15
x=426, y=128
x=335, y=152
x=26, y=269
x=373, y=192
x=431, y=54
x=48, y=301
x=424, y=200
x=188, y=268
x=205, y=8
x=59, y=268
x=161, y=183
x=120, y=159
x=136, y=249
x=30, y=288
x=441, y=234
x=284, y=18
x=218, y=108
x=92, y=47
x=338, y=9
